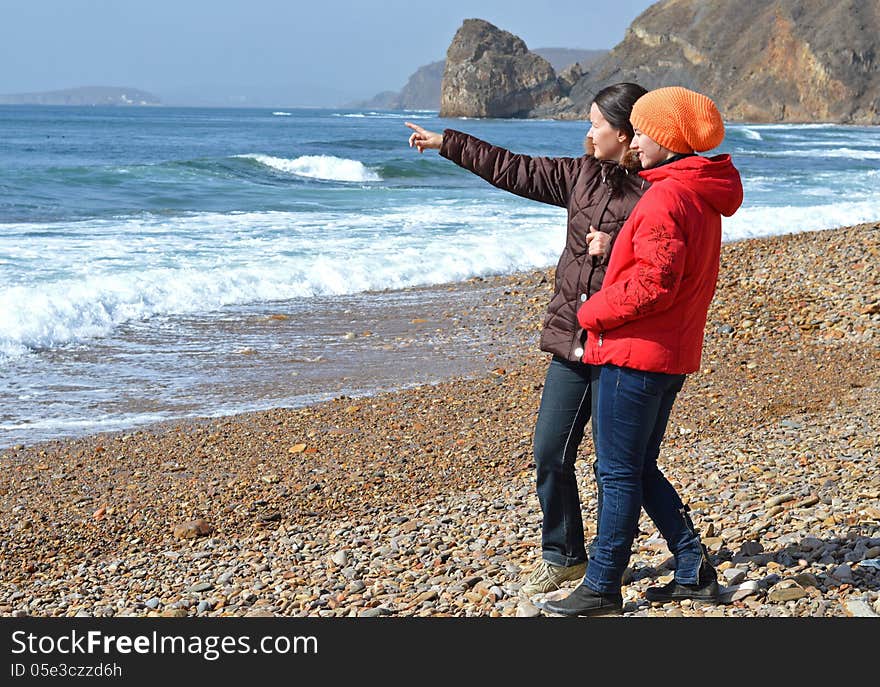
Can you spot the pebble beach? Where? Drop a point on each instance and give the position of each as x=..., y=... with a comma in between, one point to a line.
x=420, y=502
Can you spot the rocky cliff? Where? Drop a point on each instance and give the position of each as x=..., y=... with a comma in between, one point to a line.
x=760, y=60
x=492, y=73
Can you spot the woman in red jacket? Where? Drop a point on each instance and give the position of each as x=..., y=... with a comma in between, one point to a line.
x=645, y=334
x=599, y=190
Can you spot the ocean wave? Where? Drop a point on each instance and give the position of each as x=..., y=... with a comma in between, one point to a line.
x=282, y=114
x=325, y=167
x=210, y=260
x=820, y=152
x=791, y=125
x=386, y=115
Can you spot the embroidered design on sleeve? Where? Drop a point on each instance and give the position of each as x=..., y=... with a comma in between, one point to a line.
x=651, y=278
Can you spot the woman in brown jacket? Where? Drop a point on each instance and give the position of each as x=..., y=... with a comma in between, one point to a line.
x=599, y=190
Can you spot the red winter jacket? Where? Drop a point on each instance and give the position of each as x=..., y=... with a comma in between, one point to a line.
x=652, y=308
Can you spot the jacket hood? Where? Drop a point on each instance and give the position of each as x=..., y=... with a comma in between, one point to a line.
x=714, y=179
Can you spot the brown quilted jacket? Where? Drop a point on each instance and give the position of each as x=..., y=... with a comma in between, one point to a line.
x=583, y=186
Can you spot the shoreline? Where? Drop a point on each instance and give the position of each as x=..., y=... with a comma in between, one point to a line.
x=420, y=501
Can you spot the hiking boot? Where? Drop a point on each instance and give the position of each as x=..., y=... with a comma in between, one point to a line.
x=547, y=577
x=583, y=601
x=705, y=589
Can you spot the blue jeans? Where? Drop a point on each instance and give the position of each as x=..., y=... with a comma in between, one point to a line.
x=562, y=417
x=630, y=413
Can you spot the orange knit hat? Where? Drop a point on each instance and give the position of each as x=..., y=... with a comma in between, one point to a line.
x=679, y=119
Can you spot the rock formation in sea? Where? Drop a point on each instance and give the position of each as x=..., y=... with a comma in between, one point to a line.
x=491, y=73
x=422, y=90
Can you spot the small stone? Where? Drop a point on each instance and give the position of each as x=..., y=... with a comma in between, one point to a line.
x=806, y=579
x=842, y=572
x=201, y=587
x=340, y=558
x=780, y=594
x=779, y=500
x=859, y=609
x=153, y=603
x=429, y=595
x=714, y=544
x=192, y=529
x=526, y=609
x=739, y=592
x=175, y=613
x=750, y=548
x=203, y=606
x=734, y=575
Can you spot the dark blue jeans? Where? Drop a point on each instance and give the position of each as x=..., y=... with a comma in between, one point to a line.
x=562, y=417
x=630, y=413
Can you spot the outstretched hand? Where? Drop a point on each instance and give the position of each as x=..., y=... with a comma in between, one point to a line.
x=422, y=139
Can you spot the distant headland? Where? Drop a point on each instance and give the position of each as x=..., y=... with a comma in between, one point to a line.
x=84, y=96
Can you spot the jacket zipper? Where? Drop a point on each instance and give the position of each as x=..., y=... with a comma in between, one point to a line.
x=601, y=337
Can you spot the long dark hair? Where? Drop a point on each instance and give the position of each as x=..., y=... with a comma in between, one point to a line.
x=615, y=102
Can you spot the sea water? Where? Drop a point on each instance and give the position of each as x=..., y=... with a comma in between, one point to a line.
x=142, y=248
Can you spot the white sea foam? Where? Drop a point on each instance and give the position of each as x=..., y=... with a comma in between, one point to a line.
x=282, y=114
x=820, y=152
x=103, y=423
x=752, y=134
x=208, y=261
x=318, y=167
x=752, y=222
x=387, y=115
x=789, y=126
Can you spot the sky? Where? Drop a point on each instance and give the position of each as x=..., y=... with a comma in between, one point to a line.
x=269, y=52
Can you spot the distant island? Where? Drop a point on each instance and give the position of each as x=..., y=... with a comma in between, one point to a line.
x=84, y=96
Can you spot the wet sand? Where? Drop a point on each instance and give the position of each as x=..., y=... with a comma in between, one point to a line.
x=282, y=354
x=421, y=501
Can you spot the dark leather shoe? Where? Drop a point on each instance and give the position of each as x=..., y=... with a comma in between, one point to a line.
x=705, y=589
x=584, y=601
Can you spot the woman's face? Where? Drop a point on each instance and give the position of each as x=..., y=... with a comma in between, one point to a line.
x=608, y=143
x=649, y=151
